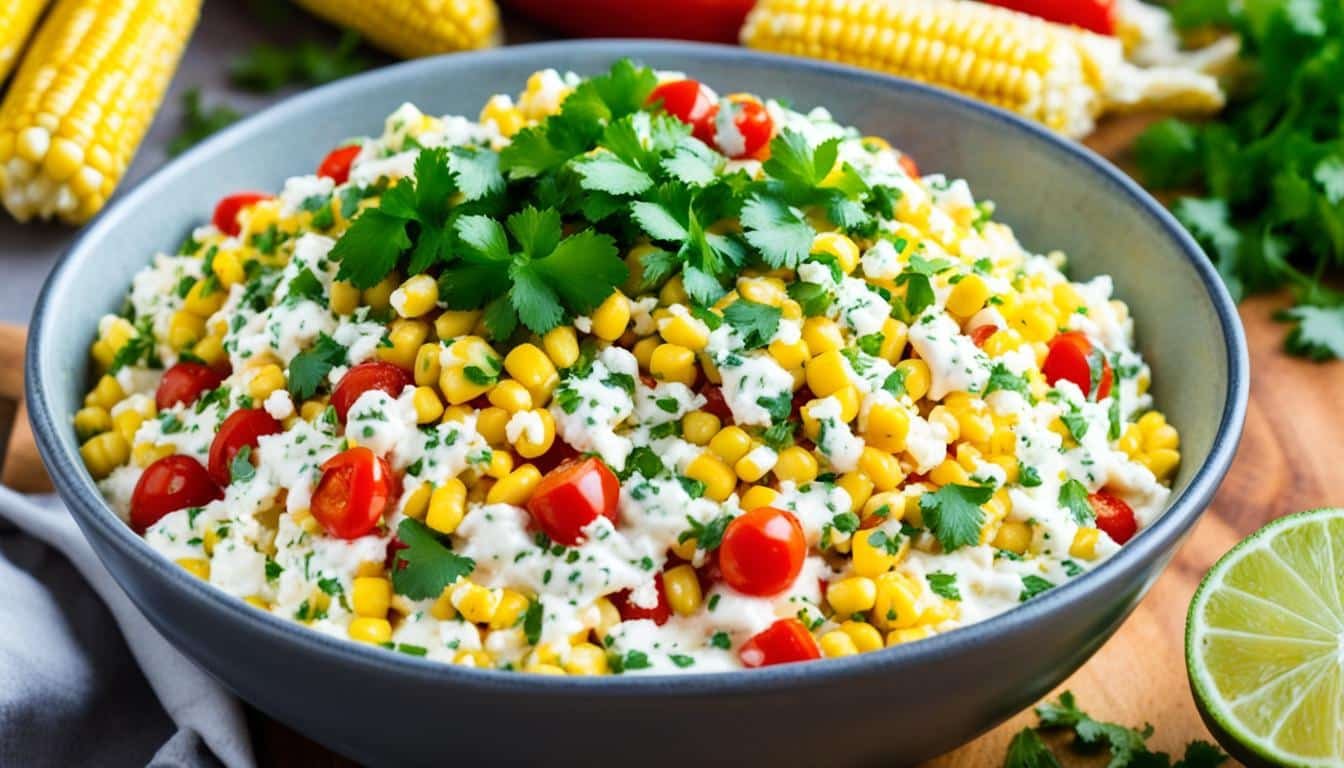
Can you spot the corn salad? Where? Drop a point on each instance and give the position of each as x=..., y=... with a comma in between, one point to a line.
x=856, y=418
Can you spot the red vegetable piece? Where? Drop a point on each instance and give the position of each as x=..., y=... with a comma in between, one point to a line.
x=244, y=427
x=184, y=383
x=226, y=211
x=1114, y=516
x=169, y=484
x=375, y=374
x=573, y=495
x=783, y=642
x=336, y=165
x=659, y=614
x=356, y=488
x=1070, y=357
x=762, y=551
x=1093, y=15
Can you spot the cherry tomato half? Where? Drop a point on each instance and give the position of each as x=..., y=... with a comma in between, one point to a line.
x=1096, y=15
x=1070, y=357
x=715, y=404
x=336, y=165
x=762, y=551
x=751, y=123
x=1114, y=516
x=573, y=495
x=169, y=484
x=184, y=383
x=659, y=614
x=375, y=374
x=909, y=166
x=785, y=641
x=687, y=100
x=241, y=428
x=981, y=333
x=356, y=488
x=226, y=211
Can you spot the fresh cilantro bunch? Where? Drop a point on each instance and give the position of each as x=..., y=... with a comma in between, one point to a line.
x=1128, y=746
x=1271, y=171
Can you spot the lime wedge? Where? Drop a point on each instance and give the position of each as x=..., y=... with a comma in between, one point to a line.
x=1264, y=643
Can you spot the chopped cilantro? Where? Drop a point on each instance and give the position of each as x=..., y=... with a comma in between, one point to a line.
x=241, y=469
x=309, y=369
x=954, y=515
x=944, y=585
x=1073, y=497
x=425, y=566
x=1033, y=585
x=756, y=324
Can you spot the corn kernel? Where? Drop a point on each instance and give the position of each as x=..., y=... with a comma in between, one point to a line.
x=517, y=488
x=447, y=505
x=684, y=331
x=968, y=296
x=672, y=362
x=185, y=329
x=916, y=376
x=265, y=380
x=827, y=373
x=544, y=669
x=379, y=296
x=1162, y=462
x=758, y=496
x=204, y=299
x=908, y=635
x=511, y=396
x=836, y=644
x=881, y=467
x=427, y=369
x=853, y=595
x=755, y=464
x=607, y=616
x=1084, y=545
x=104, y=453
x=858, y=486
x=530, y=448
x=371, y=596
x=454, y=323
x=370, y=630
x=865, y=636
x=530, y=367
x=415, y=503
x=1014, y=537
x=144, y=454
x=196, y=566
x=894, y=336
x=789, y=355
x=105, y=394
x=211, y=350
x=512, y=606
x=822, y=335
x=228, y=268
x=586, y=659
x=492, y=423
x=894, y=607
x=477, y=659
x=611, y=317
x=1162, y=437
x=477, y=604
x=869, y=559
x=682, y=587
x=730, y=444
x=92, y=420
x=673, y=292
x=415, y=297
x=344, y=298
x=406, y=337
x=796, y=464
x=718, y=477
x=699, y=427
x=838, y=247
x=428, y=406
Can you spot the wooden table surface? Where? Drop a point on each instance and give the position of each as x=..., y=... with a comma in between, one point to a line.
x=1288, y=461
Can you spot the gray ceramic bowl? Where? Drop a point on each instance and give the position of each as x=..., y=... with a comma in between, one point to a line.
x=895, y=706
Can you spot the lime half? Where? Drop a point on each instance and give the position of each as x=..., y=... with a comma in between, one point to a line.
x=1264, y=643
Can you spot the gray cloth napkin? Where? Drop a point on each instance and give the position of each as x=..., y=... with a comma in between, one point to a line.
x=84, y=678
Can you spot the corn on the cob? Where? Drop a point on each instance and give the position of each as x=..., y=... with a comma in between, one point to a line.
x=16, y=23
x=83, y=98
x=1061, y=76
x=412, y=28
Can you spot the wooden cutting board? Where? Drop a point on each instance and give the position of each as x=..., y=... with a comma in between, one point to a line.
x=1288, y=461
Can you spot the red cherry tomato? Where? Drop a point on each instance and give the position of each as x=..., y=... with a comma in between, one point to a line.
x=909, y=166
x=364, y=377
x=1070, y=358
x=785, y=641
x=241, y=428
x=752, y=123
x=226, y=211
x=1096, y=15
x=1114, y=516
x=573, y=495
x=336, y=165
x=659, y=614
x=981, y=333
x=185, y=382
x=687, y=100
x=762, y=551
x=356, y=488
x=715, y=404
x=169, y=484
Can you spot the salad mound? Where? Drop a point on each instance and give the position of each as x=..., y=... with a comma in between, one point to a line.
x=624, y=376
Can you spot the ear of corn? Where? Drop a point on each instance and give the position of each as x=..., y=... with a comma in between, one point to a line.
x=1060, y=76
x=413, y=28
x=82, y=100
x=17, y=18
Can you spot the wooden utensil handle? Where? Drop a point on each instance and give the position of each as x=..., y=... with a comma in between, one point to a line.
x=20, y=465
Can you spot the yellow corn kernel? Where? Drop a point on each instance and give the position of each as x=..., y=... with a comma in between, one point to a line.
x=1013, y=536
x=1162, y=462
x=477, y=604
x=827, y=373
x=228, y=268
x=822, y=335
x=643, y=351
x=850, y=400
x=836, y=644
x=968, y=296
x=949, y=472
x=127, y=423
x=265, y=380
x=204, y=299
x=1161, y=437
x=1131, y=441
x=442, y=607
x=673, y=292
x=499, y=109
x=416, y=502
x=406, y=337
x=607, y=616
x=258, y=602
x=685, y=332
x=941, y=416
x=1084, y=544
x=144, y=454
x=762, y=290
x=561, y=345
x=870, y=559
x=754, y=465
x=711, y=370
x=477, y=659
x=454, y=323
x=211, y=350
x=1002, y=342
x=796, y=464
x=789, y=355
x=312, y=410
x=415, y=297
x=1151, y=421
x=881, y=467
x=185, y=329
x=371, y=596
x=531, y=449
x=379, y=296
x=447, y=505
x=586, y=659
x=92, y=420
x=850, y=596
x=544, y=669
x=908, y=635
x=517, y=488
x=512, y=606
x=530, y=366
x=492, y=423
x=370, y=630
x=859, y=487
x=887, y=428
x=685, y=549
x=719, y=478
x=501, y=464
x=699, y=427
x=428, y=406
x=894, y=607
x=427, y=369
x=758, y=496
x=198, y=567
x=511, y=396
x=344, y=298
x=673, y=362
x=683, y=589
x=865, y=636
x=105, y=394
x=917, y=378
x=838, y=247
x=611, y=317
x=368, y=568
x=1036, y=322
x=730, y=444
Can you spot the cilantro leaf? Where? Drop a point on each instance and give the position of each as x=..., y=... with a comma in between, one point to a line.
x=583, y=268
x=708, y=536
x=794, y=160
x=1028, y=751
x=1033, y=585
x=305, y=285
x=1317, y=333
x=532, y=622
x=1073, y=497
x=370, y=248
x=198, y=123
x=1000, y=378
x=605, y=172
x=241, y=468
x=425, y=566
x=778, y=231
x=755, y=323
x=954, y=515
x=309, y=369
x=944, y=585
x=267, y=68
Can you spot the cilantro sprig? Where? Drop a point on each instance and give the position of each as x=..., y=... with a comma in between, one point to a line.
x=954, y=515
x=425, y=566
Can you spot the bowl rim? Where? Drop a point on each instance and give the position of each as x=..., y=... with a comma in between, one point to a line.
x=61, y=456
